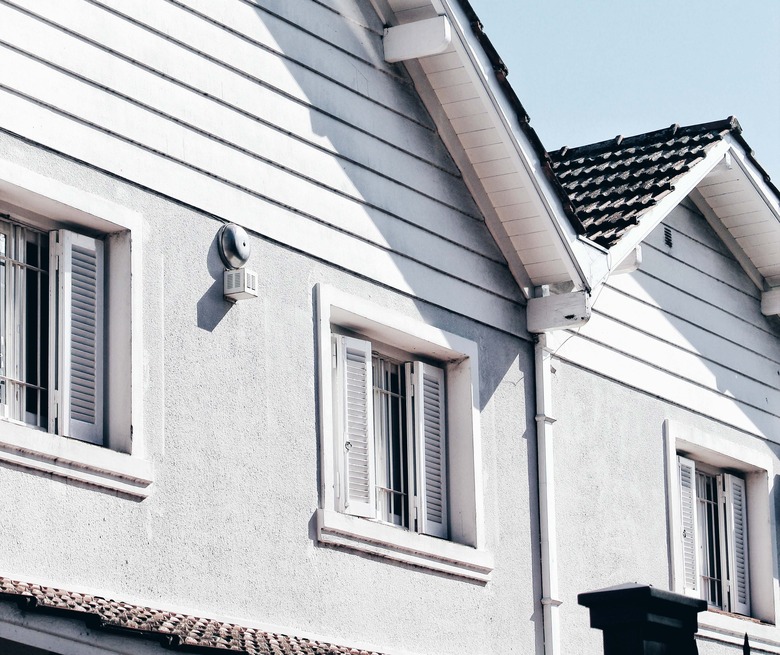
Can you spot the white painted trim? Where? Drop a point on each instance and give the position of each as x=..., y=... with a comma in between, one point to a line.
x=630, y=263
x=50, y=197
x=584, y=261
x=51, y=203
x=404, y=546
x=770, y=302
x=767, y=195
x=423, y=38
x=730, y=629
x=759, y=473
x=470, y=177
x=459, y=357
x=557, y=312
x=545, y=450
x=75, y=460
x=649, y=221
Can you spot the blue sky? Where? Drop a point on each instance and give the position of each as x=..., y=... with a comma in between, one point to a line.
x=588, y=70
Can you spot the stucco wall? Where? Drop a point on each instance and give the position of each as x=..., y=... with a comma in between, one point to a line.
x=230, y=422
x=612, y=493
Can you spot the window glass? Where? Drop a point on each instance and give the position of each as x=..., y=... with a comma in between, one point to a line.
x=709, y=537
x=390, y=432
x=24, y=324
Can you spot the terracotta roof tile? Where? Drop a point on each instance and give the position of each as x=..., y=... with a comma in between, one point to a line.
x=172, y=629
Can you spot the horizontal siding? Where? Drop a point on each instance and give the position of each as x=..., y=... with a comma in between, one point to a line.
x=687, y=327
x=332, y=144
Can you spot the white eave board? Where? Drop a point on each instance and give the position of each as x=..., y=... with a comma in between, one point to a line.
x=513, y=191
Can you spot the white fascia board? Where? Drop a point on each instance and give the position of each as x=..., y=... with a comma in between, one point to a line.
x=584, y=261
x=654, y=216
x=767, y=195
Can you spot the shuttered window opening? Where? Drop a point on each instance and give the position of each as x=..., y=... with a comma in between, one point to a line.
x=77, y=336
x=24, y=324
x=51, y=330
x=713, y=512
x=391, y=414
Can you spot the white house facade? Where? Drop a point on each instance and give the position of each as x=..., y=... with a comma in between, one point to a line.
x=465, y=381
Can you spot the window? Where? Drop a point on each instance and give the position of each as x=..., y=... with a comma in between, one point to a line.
x=391, y=415
x=398, y=424
x=70, y=338
x=722, y=529
x=713, y=507
x=51, y=330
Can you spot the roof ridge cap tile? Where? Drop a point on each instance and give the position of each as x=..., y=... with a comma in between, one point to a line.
x=721, y=127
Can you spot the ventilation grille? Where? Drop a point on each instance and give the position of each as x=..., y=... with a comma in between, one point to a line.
x=240, y=283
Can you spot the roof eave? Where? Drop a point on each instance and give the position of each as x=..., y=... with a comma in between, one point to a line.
x=534, y=230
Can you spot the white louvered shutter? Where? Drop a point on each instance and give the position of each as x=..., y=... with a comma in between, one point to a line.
x=687, y=479
x=428, y=412
x=77, y=338
x=355, y=426
x=737, y=544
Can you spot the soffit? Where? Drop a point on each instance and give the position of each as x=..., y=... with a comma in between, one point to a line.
x=748, y=206
x=508, y=169
x=574, y=215
x=623, y=187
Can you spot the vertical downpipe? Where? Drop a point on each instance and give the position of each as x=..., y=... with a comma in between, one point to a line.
x=544, y=458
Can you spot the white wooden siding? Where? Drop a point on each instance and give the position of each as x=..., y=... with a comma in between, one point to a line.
x=687, y=328
x=245, y=112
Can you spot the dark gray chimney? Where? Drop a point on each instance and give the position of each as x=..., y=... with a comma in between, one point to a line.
x=642, y=620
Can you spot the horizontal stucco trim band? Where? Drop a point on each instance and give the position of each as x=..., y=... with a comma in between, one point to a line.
x=394, y=543
x=75, y=460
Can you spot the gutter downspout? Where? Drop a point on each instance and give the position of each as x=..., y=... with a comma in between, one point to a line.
x=545, y=463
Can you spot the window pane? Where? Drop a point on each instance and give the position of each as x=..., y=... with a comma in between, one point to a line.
x=709, y=538
x=24, y=323
x=390, y=435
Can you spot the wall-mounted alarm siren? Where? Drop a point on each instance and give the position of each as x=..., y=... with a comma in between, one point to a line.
x=234, y=251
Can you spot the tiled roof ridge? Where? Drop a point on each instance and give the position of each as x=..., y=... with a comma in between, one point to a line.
x=172, y=629
x=730, y=124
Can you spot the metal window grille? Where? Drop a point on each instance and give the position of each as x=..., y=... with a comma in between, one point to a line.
x=391, y=445
x=24, y=324
x=709, y=518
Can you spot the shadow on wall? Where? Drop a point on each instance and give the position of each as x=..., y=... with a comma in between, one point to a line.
x=715, y=337
x=345, y=87
x=212, y=306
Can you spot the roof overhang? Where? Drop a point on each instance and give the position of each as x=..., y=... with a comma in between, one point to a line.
x=486, y=131
x=741, y=206
x=463, y=84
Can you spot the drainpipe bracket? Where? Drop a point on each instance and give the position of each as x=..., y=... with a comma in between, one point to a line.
x=551, y=601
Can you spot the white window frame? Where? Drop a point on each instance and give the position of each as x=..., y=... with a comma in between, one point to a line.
x=464, y=553
x=756, y=468
x=120, y=464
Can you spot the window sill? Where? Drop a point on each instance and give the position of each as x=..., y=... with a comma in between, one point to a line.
x=75, y=460
x=731, y=628
x=400, y=545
